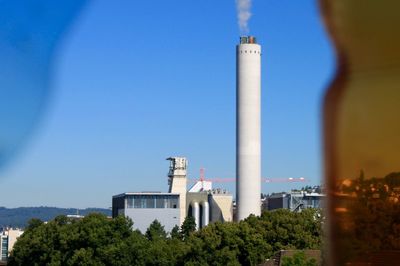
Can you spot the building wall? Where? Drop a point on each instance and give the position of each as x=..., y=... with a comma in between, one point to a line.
x=12, y=238
x=145, y=207
x=179, y=186
x=118, y=205
x=278, y=202
x=221, y=207
x=142, y=218
x=195, y=196
x=295, y=201
x=7, y=241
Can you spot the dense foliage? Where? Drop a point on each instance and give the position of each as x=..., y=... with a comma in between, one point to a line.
x=19, y=217
x=298, y=259
x=97, y=240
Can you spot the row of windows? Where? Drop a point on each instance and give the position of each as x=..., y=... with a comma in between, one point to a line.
x=152, y=201
x=313, y=203
x=256, y=52
x=4, y=248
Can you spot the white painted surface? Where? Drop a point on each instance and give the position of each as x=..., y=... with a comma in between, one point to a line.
x=221, y=207
x=143, y=217
x=206, y=213
x=201, y=185
x=196, y=213
x=248, y=129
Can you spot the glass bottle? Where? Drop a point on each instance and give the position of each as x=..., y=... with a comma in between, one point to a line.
x=362, y=133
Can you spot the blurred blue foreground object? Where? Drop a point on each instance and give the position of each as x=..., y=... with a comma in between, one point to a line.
x=30, y=30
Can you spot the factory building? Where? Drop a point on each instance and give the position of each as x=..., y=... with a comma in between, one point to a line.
x=296, y=200
x=145, y=207
x=248, y=127
x=201, y=202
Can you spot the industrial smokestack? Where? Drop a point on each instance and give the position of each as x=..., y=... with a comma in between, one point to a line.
x=248, y=127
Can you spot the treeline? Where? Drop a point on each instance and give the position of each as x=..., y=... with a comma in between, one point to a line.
x=97, y=240
x=19, y=217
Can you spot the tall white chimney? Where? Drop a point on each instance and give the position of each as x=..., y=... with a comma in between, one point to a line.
x=248, y=127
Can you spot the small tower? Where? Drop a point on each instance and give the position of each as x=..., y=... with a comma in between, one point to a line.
x=177, y=182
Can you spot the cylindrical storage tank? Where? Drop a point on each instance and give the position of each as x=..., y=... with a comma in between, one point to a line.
x=206, y=213
x=248, y=128
x=196, y=214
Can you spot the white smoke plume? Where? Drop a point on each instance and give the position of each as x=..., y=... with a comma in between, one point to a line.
x=244, y=14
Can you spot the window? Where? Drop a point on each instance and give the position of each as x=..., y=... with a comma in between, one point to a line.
x=173, y=203
x=161, y=202
x=138, y=203
x=4, y=248
x=142, y=201
x=129, y=202
x=152, y=201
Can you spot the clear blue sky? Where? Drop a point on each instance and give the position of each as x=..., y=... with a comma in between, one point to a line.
x=136, y=82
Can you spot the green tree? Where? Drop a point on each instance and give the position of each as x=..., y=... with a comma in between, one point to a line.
x=175, y=234
x=216, y=244
x=188, y=226
x=298, y=259
x=94, y=240
x=97, y=240
x=156, y=231
x=161, y=250
x=33, y=223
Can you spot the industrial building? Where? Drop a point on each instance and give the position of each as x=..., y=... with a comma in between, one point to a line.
x=201, y=201
x=296, y=200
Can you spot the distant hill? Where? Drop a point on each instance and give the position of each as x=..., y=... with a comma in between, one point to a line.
x=19, y=217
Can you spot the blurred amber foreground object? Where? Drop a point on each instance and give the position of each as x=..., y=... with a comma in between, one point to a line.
x=362, y=133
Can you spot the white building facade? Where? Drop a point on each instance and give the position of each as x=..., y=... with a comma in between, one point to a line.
x=8, y=238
